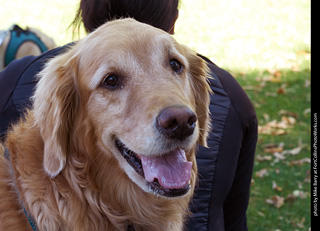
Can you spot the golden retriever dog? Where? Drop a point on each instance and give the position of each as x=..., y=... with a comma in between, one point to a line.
x=110, y=141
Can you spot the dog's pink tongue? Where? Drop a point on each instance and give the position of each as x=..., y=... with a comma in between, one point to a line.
x=172, y=170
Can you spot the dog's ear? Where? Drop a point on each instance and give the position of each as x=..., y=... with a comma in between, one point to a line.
x=56, y=100
x=199, y=73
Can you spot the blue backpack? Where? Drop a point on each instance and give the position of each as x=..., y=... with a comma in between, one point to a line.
x=18, y=36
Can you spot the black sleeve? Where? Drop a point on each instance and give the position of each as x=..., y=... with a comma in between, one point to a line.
x=17, y=84
x=9, y=79
x=241, y=132
x=225, y=168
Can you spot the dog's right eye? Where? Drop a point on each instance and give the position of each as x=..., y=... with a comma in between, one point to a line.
x=176, y=66
x=111, y=81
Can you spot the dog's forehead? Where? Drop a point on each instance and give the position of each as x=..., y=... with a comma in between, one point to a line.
x=129, y=27
x=128, y=47
x=128, y=35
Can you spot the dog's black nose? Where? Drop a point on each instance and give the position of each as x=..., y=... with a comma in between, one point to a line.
x=176, y=122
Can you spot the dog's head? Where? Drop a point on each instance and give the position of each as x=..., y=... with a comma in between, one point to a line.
x=144, y=96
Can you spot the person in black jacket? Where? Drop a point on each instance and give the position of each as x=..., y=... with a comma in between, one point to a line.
x=225, y=168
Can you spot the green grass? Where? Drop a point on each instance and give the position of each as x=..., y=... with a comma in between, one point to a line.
x=265, y=44
x=292, y=97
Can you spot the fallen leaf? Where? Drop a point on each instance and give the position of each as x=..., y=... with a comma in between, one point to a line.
x=290, y=198
x=278, y=156
x=266, y=117
x=308, y=177
x=281, y=91
x=276, y=200
x=275, y=127
x=262, y=173
x=301, y=161
x=278, y=132
x=301, y=224
x=306, y=111
x=284, y=123
x=289, y=120
x=294, y=151
x=273, y=149
x=288, y=113
x=276, y=187
x=299, y=194
x=279, y=153
x=263, y=158
x=277, y=74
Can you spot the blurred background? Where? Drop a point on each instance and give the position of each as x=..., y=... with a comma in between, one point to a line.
x=265, y=44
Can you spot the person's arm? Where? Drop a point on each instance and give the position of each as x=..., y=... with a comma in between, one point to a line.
x=9, y=79
x=225, y=167
x=240, y=138
x=17, y=84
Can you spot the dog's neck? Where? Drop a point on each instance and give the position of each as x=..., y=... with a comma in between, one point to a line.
x=30, y=218
x=32, y=222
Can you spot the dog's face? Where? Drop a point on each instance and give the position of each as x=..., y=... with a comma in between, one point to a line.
x=145, y=97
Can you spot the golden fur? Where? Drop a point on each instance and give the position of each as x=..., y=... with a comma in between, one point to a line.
x=63, y=160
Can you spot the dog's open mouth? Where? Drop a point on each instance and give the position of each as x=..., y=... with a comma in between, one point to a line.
x=167, y=175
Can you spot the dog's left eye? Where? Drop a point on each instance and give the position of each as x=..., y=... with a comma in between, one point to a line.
x=176, y=66
x=111, y=81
